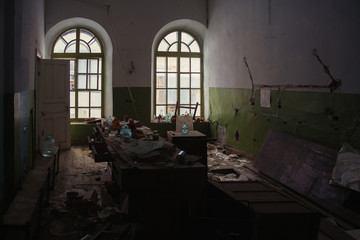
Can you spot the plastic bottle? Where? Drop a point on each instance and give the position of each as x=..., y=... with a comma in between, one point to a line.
x=125, y=133
x=48, y=146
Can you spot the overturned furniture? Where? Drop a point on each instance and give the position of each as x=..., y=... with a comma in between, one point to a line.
x=288, y=193
x=305, y=168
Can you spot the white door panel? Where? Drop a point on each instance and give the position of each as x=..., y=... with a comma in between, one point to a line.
x=52, y=101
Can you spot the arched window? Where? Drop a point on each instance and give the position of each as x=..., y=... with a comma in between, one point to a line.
x=178, y=74
x=84, y=50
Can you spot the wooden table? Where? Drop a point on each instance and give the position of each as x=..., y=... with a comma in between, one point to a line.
x=162, y=192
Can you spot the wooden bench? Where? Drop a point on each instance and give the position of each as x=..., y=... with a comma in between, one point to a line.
x=23, y=216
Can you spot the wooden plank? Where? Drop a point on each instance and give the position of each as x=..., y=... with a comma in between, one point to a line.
x=305, y=167
x=252, y=197
x=332, y=231
x=249, y=186
x=280, y=207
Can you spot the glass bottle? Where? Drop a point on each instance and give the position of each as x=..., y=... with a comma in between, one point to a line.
x=185, y=129
x=48, y=146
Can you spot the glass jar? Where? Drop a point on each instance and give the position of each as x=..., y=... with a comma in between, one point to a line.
x=48, y=146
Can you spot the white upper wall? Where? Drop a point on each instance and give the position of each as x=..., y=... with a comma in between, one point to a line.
x=278, y=39
x=131, y=25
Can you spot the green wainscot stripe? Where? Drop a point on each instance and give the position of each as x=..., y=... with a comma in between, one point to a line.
x=317, y=116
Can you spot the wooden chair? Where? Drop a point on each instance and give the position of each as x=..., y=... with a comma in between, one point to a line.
x=178, y=106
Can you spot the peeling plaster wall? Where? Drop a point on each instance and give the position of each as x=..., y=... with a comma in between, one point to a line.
x=277, y=38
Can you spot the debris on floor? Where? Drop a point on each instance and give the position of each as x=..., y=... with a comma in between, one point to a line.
x=224, y=166
x=85, y=203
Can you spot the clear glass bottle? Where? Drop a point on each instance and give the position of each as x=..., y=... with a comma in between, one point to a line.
x=185, y=129
x=48, y=146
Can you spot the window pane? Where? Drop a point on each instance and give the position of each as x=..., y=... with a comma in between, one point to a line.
x=195, y=96
x=184, y=97
x=163, y=46
x=93, y=66
x=82, y=65
x=95, y=99
x=173, y=48
x=195, y=64
x=198, y=111
x=184, y=48
x=100, y=65
x=59, y=46
x=72, y=112
x=69, y=35
x=81, y=82
x=72, y=81
x=172, y=37
x=84, y=48
x=160, y=80
x=95, y=112
x=71, y=48
x=83, y=112
x=172, y=64
x=186, y=38
x=160, y=96
x=83, y=99
x=184, y=64
x=194, y=47
x=99, y=87
x=160, y=110
x=171, y=109
x=161, y=64
x=172, y=96
x=184, y=111
x=184, y=80
x=72, y=99
x=95, y=46
x=93, y=82
x=172, y=80
x=86, y=35
x=195, y=80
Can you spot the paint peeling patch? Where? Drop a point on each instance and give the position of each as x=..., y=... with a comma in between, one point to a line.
x=237, y=136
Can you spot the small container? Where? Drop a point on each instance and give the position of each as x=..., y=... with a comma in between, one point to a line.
x=48, y=146
x=116, y=124
x=125, y=133
x=185, y=129
x=181, y=157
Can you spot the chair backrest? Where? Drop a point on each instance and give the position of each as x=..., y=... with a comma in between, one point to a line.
x=178, y=106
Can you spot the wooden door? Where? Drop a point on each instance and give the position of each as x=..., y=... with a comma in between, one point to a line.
x=52, y=102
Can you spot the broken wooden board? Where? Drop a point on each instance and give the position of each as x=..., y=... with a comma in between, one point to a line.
x=276, y=215
x=306, y=168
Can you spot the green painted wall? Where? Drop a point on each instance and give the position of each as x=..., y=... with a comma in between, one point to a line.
x=301, y=114
x=142, y=101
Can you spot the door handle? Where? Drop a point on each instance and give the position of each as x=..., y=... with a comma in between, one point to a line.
x=43, y=114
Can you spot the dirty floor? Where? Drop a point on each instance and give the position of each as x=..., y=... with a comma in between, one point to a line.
x=85, y=203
